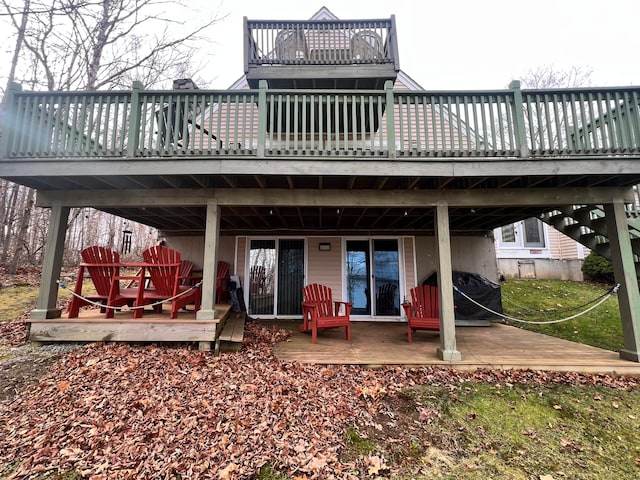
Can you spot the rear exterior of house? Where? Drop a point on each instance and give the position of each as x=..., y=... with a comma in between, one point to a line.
x=325, y=163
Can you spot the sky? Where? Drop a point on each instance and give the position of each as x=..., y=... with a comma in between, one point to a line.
x=465, y=44
x=453, y=44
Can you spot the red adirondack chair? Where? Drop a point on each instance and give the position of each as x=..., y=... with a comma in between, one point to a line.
x=101, y=264
x=222, y=282
x=320, y=311
x=163, y=266
x=423, y=313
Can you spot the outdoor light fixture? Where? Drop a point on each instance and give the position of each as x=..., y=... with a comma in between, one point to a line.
x=405, y=213
x=271, y=211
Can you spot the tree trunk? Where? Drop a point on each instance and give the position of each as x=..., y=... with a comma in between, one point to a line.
x=22, y=232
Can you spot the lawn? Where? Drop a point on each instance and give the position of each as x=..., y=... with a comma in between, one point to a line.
x=551, y=300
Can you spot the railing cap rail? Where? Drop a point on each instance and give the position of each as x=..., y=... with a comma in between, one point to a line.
x=543, y=91
x=254, y=23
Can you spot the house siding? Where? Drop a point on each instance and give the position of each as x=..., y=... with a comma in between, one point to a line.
x=468, y=254
x=325, y=267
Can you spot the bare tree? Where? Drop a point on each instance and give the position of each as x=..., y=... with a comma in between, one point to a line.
x=88, y=45
x=547, y=76
x=549, y=117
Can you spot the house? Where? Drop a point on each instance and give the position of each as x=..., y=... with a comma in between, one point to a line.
x=531, y=248
x=331, y=166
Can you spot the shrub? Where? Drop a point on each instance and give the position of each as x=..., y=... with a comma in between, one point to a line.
x=598, y=268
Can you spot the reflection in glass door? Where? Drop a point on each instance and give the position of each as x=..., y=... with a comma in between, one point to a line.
x=358, y=268
x=373, y=277
x=290, y=276
x=262, y=269
x=386, y=277
x=276, y=277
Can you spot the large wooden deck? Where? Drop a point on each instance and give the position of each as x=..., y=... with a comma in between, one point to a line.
x=498, y=346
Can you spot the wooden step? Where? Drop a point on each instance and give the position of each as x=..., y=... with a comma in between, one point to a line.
x=232, y=334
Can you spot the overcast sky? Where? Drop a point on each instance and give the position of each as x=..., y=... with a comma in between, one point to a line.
x=453, y=44
x=466, y=44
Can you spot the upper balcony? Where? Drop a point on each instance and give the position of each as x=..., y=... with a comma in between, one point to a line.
x=328, y=54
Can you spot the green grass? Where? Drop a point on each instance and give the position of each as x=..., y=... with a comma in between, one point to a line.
x=14, y=301
x=523, y=432
x=19, y=299
x=544, y=300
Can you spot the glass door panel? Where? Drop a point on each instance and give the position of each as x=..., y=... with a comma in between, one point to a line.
x=358, y=276
x=262, y=266
x=386, y=276
x=290, y=276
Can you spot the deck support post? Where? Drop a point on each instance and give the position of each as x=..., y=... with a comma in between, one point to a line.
x=52, y=265
x=207, y=309
x=625, y=273
x=448, y=349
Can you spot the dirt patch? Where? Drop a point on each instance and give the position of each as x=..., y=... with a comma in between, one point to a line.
x=22, y=366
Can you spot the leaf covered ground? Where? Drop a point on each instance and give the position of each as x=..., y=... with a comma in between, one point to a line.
x=125, y=411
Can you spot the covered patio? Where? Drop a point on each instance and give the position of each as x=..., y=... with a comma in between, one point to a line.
x=497, y=347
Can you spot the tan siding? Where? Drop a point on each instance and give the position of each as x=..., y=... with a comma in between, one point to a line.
x=241, y=257
x=192, y=248
x=409, y=264
x=561, y=246
x=325, y=267
x=468, y=254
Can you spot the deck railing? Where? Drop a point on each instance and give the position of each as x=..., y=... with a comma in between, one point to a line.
x=320, y=42
x=382, y=123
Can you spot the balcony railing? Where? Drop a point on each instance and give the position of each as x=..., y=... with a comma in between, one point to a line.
x=320, y=42
x=355, y=123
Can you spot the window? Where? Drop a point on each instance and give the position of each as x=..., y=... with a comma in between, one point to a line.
x=528, y=233
x=533, y=234
x=508, y=233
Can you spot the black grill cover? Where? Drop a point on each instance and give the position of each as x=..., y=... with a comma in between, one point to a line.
x=475, y=286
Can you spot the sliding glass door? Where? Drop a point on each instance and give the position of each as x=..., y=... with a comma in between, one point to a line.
x=373, y=277
x=276, y=277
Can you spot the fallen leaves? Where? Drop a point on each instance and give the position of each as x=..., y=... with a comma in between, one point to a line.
x=122, y=411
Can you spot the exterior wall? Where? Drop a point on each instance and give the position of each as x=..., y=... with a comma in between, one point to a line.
x=468, y=254
x=541, y=268
x=410, y=275
x=192, y=248
x=325, y=267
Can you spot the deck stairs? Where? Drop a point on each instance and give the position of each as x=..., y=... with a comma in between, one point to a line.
x=232, y=334
x=587, y=225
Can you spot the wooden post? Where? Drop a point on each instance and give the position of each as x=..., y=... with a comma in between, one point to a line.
x=518, y=119
x=8, y=113
x=262, y=118
x=625, y=273
x=448, y=349
x=52, y=265
x=207, y=309
x=133, y=138
x=391, y=119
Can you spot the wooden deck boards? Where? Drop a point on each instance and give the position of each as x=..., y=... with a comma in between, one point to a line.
x=91, y=326
x=498, y=346
x=233, y=333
